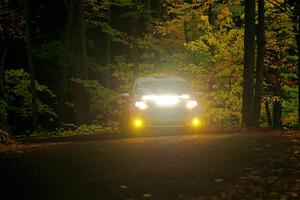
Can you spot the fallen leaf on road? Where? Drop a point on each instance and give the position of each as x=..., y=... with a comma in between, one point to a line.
x=124, y=186
x=293, y=194
x=147, y=195
x=219, y=180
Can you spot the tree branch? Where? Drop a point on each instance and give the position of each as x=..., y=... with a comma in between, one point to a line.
x=282, y=7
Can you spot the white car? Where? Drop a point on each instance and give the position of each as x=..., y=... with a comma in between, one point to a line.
x=157, y=102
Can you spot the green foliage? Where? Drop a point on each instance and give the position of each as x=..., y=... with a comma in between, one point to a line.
x=56, y=70
x=3, y=109
x=96, y=129
x=289, y=104
x=124, y=72
x=73, y=130
x=103, y=101
x=18, y=95
x=280, y=62
x=97, y=16
x=54, y=52
x=11, y=21
x=200, y=40
x=211, y=57
x=212, y=35
x=89, y=129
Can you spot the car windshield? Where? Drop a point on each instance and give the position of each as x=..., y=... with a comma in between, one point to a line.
x=162, y=87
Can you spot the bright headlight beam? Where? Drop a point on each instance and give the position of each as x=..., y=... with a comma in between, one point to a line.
x=138, y=123
x=185, y=96
x=196, y=122
x=166, y=100
x=141, y=105
x=191, y=104
x=149, y=97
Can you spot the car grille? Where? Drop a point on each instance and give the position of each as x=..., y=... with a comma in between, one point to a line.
x=170, y=116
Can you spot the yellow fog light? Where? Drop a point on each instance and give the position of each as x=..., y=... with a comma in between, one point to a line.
x=137, y=123
x=196, y=122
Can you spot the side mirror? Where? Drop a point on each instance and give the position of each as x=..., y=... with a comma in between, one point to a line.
x=125, y=95
x=198, y=94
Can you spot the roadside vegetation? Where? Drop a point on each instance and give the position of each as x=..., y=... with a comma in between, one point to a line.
x=71, y=64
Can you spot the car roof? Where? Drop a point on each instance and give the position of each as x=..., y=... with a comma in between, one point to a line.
x=158, y=78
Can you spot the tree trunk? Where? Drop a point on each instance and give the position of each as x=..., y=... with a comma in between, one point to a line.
x=108, y=50
x=260, y=32
x=27, y=15
x=147, y=4
x=135, y=51
x=79, y=57
x=186, y=40
x=277, y=110
x=149, y=12
x=135, y=56
x=3, y=119
x=277, y=113
x=212, y=21
x=64, y=72
x=2, y=72
x=298, y=69
x=249, y=63
x=268, y=113
x=298, y=47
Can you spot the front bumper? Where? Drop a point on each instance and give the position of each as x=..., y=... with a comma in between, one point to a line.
x=166, y=117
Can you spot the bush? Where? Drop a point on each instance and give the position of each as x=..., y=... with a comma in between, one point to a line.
x=18, y=100
x=103, y=102
x=3, y=111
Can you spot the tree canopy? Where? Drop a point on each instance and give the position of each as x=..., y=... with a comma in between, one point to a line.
x=87, y=52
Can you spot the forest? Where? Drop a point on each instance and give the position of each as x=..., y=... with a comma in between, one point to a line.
x=64, y=63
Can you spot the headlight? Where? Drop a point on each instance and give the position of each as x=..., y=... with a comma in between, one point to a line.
x=197, y=122
x=141, y=105
x=191, y=104
x=137, y=123
x=166, y=100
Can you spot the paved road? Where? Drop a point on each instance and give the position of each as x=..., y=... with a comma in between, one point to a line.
x=205, y=166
